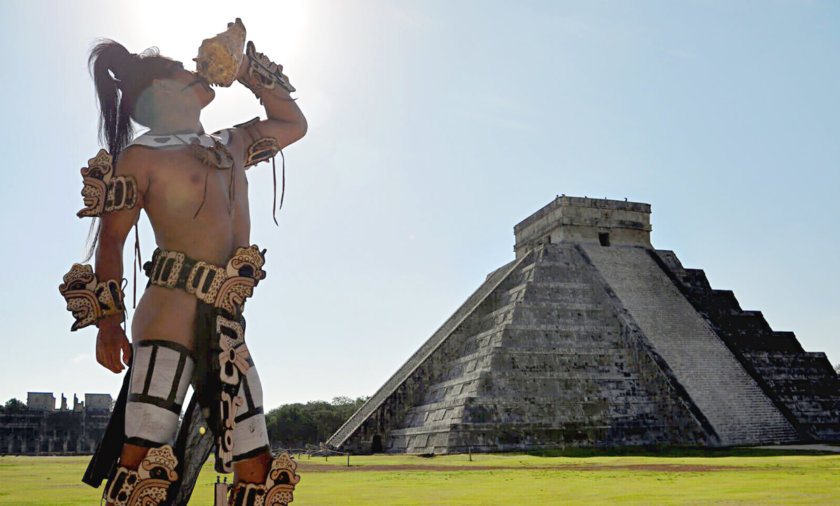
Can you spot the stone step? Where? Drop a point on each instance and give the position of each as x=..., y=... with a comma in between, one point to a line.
x=548, y=273
x=523, y=274
x=513, y=294
x=566, y=409
x=558, y=339
x=558, y=292
x=584, y=327
x=426, y=429
x=577, y=305
x=559, y=314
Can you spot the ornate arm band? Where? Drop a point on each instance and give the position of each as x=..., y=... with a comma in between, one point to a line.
x=261, y=148
x=88, y=299
x=263, y=74
x=103, y=192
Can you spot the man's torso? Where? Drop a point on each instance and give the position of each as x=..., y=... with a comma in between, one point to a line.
x=179, y=187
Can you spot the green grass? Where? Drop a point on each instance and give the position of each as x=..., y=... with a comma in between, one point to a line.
x=672, y=476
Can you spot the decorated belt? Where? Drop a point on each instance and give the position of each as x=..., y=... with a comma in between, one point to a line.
x=223, y=287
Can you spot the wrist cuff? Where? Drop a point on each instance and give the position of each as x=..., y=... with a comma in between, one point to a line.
x=88, y=299
x=262, y=73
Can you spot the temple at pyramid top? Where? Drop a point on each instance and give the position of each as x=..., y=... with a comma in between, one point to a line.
x=584, y=220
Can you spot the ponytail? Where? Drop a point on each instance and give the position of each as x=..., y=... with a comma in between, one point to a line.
x=108, y=62
x=120, y=77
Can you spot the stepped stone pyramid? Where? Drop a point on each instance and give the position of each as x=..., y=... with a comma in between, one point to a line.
x=591, y=337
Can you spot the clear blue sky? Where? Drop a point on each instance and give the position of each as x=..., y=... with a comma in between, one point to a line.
x=435, y=127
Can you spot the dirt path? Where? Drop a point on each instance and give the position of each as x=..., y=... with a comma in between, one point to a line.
x=305, y=466
x=811, y=448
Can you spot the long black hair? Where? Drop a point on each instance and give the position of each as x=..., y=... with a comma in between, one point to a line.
x=120, y=78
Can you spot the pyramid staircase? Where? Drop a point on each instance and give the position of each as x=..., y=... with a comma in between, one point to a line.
x=732, y=401
x=802, y=385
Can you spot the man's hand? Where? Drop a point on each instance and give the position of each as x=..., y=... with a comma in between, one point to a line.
x=109, y=342
x=242, y=71
x=285, y=123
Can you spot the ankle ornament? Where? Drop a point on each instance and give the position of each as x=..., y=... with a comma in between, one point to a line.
x=149, y=484
x=276, y=491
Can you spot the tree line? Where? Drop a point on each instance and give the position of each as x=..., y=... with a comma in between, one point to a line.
x=296, y=425
x=13, y=405
x=289, y=426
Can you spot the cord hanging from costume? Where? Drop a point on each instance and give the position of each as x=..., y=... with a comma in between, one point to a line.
x=274, y=207
x=263, y=148
x=217, y=157
x=138, y=260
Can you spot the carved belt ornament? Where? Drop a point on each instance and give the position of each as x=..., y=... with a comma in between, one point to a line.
x=223, y=287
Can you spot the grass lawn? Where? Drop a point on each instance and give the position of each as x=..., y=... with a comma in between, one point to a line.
x=675, y=477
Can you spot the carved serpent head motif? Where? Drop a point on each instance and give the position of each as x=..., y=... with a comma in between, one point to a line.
x=79, y=290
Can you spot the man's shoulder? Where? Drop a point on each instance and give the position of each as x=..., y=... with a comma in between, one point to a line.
x=134, y=159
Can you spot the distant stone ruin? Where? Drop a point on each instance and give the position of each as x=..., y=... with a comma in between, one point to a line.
x=591, y=337
x=40, y=429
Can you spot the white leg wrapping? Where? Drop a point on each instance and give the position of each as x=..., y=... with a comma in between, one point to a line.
x=160, y=376
x=250, y=436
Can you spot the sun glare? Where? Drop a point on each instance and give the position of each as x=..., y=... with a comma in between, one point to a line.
x=178, y=28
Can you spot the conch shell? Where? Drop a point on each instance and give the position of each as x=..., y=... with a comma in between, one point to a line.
x=219, y=57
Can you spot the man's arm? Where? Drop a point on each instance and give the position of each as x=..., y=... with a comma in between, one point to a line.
x=111, y=338
x=286, y=123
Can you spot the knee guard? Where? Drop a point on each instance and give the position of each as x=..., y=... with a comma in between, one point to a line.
x=161, y=374
x=148, y=485
x=276, y=491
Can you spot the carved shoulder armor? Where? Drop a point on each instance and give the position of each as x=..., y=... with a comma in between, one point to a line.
x=103, y=192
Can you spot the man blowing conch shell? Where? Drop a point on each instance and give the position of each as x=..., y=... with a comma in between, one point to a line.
x=188, y=327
